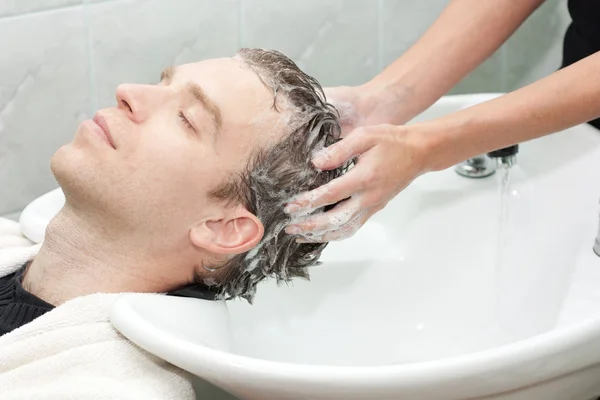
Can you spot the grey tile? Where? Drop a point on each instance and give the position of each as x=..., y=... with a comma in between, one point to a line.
x=14, y=7
x=535, y=49
x=14, y=216
x=132, y=41
x=336, y=41
x=404, y=22
x=44, y=94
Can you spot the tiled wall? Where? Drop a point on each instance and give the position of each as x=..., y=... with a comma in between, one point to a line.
x=62, y=59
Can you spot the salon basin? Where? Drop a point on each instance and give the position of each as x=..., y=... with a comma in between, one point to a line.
x=440, y=296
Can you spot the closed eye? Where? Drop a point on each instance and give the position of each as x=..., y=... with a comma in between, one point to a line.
x=185, y=120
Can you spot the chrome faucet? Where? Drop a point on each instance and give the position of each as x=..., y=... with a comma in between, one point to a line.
x=476, y=167
x=485, y=165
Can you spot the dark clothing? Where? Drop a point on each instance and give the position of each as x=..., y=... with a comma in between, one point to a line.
x=583, y=35
x=17, y=306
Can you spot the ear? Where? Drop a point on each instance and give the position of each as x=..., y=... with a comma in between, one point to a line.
x=235, y=232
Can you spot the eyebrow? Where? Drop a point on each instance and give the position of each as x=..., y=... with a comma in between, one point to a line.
x=196, y=91
x=207, y=103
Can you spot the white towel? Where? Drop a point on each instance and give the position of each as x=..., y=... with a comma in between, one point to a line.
x=74, y=352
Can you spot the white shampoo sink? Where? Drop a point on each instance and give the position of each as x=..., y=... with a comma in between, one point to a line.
x=428, y=301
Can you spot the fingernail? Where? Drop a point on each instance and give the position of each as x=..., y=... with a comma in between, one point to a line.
x=290, y=208
x=292, y=230
x=300, y=240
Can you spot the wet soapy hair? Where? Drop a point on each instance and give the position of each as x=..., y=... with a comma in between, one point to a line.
x=274, y=175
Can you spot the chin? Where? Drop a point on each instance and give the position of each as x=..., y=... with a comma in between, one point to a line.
x=59, y=163
x=89, y=187
x=75, y=175
x=65, y=162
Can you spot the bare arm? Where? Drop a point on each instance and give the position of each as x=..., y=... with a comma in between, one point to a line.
x=392, y=156
x=566, y=98
x=465, y=34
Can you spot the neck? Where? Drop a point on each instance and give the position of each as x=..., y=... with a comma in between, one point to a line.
x=81, y=256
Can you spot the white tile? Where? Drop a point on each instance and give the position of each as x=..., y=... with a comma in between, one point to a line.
x=44, y=94
x=14, y=7
x=134, y=40
x=333, y=40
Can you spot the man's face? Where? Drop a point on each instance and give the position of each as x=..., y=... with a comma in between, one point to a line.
x=168, y=146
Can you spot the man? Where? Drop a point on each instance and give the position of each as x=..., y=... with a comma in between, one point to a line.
x=180, y=189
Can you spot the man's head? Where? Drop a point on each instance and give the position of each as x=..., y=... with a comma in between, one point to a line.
x=197, y=169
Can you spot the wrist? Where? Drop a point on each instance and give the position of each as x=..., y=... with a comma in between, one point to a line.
x=420, y=144
x=386, y=102
x=437, y=143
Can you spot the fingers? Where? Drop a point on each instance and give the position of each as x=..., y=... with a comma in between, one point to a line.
x=333, y=219
x=336, y=190
x=344, y=232
x=342, y=187
x=356, y=143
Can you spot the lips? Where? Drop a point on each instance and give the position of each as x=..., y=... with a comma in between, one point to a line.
x=101, y=122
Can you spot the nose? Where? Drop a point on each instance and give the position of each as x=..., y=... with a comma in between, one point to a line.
x=138, y=101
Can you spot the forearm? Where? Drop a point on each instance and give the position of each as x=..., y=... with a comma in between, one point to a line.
x=564, y=99
x=465, y=34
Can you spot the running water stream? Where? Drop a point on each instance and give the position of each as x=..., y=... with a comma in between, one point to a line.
x=503, y=173
x=504, y=193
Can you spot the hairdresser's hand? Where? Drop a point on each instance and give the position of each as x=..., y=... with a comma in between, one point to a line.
x=367, y=105
x=389, y=158
x=353, y=104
